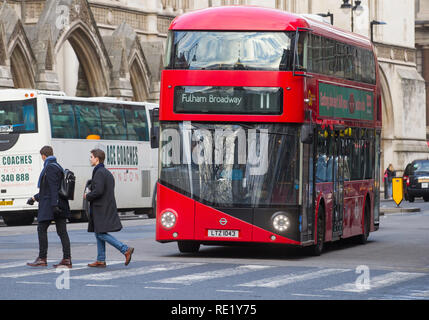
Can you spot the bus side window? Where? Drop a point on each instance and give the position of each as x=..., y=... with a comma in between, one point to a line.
x=348, y=63
x=88, y=120
x=339, y=59
x=316, y=56
x=136, y=120
x=63, y=124
x=112, y=118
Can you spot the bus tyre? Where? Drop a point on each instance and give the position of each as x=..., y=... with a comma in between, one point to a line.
x=18, y=219
x=363, y=238
x=316, y=249
x=188, y=246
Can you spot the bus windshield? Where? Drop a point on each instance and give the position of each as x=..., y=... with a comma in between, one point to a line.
x=18, y=116
x=215, y=50
x=227, y=165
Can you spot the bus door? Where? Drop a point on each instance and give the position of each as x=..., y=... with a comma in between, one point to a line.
x=338, y=190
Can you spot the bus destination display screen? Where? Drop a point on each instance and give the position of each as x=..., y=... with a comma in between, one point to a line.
x=228, y=100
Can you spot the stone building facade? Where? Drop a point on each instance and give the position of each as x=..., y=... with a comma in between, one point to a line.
x=85, y=48
x=422, y=48
x=115, y=48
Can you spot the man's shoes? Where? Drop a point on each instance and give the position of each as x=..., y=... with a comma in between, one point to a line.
x=128, y=255
x=39, y=262
x=97, y=264
x=65, y=263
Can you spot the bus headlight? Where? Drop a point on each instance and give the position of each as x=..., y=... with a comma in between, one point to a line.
x=168, y=219
x=281, y=222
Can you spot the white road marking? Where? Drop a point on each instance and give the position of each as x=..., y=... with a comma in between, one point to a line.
x=282, y=280
x=420, y=293
x=101, y=285
x=234, y=291
x=384, y=280
x=35, y=271
x=310, y=295
x=192, y=278
x=33, y=282
x=135, y=272
x=17, y=264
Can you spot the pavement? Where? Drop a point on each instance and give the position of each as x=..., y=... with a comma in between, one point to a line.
x=389, y=206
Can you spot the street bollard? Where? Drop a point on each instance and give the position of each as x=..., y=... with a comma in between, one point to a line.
x=397, y=190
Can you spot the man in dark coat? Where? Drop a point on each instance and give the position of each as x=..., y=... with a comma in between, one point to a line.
x=51, y=207
x=103, y=211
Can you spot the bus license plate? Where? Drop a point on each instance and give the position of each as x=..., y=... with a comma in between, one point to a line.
x=424, y=185
x=223, y=233
x=6, y=203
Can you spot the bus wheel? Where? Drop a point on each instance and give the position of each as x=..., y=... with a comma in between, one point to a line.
x=363, y=238
x=316, y=250
x=188, y=246
x=18, y=219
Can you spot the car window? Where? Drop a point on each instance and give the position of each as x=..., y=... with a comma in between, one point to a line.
x=420, y=166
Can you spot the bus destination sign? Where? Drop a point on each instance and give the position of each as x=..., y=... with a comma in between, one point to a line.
x=344, y=102
x=228, y=100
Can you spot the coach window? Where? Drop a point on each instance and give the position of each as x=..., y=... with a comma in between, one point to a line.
x=63, y=123
x=136, y=120
x=88, y=120
x=113, y=122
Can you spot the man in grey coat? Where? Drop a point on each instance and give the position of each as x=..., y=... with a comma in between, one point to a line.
x=103, y=211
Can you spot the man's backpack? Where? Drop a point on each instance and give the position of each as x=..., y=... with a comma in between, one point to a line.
x=67, y=184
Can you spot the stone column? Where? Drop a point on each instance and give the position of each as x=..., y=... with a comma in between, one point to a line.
x=425, y=62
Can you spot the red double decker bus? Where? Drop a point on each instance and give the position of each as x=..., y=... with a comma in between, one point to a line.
x=270, y=131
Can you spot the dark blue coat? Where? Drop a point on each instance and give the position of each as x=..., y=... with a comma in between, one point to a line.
x=104, y=213
x=48, y=196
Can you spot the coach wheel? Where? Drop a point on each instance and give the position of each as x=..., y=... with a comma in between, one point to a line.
x=317, y=249
x=426, y=198
x=410, y=198
x=18, y=219
x=188, y=246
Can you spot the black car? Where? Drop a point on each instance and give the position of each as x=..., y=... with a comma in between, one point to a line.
x=416, y=180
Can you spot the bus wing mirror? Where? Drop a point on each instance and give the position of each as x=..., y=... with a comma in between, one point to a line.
x=154, y=128
x=154, y=137
x=307, y=133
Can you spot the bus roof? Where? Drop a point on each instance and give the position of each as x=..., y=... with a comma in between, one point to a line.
x=21, y=94
x=252, y=18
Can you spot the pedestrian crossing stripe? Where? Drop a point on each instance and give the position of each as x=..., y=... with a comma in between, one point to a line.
x=282, y=280
x=13, y=264
x=135, y=271
x=209, y=275
x=378, y=282
x=31, y=271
